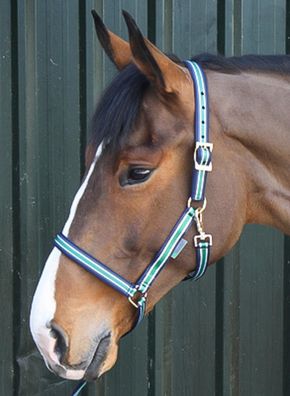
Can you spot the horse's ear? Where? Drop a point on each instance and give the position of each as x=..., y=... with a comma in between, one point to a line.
x=117, y=49
x=165, y=74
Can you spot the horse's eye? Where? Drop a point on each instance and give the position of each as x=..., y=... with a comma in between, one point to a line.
x=138, y=175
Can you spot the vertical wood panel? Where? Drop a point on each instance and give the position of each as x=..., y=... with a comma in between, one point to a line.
x=193, y=331
x=255, y=27
x=6, y=203
x=194, y=27
x=261, y=312
x=230, y=372
x=233, y=27
x=164, y=22
x=49, y=157
x=263, y=27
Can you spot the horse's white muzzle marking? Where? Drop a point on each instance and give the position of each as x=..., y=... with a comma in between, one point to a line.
x=42, y=313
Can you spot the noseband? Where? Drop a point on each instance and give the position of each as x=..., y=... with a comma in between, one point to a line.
x=137, y=292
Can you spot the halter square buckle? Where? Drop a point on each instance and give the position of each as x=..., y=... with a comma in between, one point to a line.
x=202, y=238
x=197, y=165
x=135, y=303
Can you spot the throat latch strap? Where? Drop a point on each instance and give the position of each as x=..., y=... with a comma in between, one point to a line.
x=202, y=165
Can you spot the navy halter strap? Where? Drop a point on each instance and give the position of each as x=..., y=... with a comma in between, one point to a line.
x=173, y=245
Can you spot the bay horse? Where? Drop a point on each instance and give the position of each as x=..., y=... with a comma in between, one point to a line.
x=137, y=182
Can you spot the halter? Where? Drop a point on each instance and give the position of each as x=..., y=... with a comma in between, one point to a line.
x=173, y=245
x=137, y=292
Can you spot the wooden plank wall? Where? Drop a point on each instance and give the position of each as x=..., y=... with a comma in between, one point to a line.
x=6, y=202
x=225, y=335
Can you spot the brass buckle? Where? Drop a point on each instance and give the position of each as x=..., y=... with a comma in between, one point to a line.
x=201, y=167
x=135, y=303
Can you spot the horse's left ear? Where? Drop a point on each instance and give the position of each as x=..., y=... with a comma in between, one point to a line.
x=165, y=74
x=117, y=49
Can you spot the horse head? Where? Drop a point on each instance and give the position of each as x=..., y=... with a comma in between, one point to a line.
x=137, y=182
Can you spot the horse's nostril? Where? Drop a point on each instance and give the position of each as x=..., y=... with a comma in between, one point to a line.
x=61, y=337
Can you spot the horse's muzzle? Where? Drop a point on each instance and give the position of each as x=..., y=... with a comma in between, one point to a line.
x=91, y=370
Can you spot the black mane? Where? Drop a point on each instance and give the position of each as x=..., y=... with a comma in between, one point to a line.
x=119, y=105
x=237, y=64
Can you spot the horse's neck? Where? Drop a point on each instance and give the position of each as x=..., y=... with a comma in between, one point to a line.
x=253, y=112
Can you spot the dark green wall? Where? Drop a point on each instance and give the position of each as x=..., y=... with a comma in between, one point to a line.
x=225, y=335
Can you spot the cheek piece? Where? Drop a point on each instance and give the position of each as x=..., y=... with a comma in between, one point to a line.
x=136, y=293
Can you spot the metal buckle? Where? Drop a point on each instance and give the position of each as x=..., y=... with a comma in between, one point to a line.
x=202, y=237
x=201, y=167
x=133, y=303
x=136, y=303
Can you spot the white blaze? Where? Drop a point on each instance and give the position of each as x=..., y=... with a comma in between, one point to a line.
x=80, y=193
x=44, y=304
